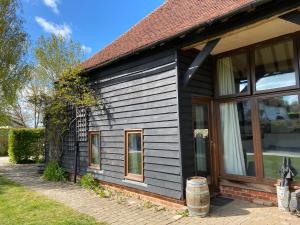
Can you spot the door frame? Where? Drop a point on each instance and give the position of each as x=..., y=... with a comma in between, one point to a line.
x=213, y=156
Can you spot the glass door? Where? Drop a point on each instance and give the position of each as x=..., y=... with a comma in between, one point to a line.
x=202, y=137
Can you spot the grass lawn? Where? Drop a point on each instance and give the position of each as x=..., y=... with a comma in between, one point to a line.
x=272, y=165
x=19, y=205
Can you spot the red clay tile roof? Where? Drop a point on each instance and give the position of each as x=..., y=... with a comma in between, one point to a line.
x=171, y=18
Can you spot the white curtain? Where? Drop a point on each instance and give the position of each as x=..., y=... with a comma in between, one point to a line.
x=234, y=162
x=134, y=158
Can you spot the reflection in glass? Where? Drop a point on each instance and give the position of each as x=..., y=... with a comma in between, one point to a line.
x=236, y=131
x=95, y=149
x=134, y=153
x=201, y=138
x=232, y=72
x=280, y=131
x=274, y=66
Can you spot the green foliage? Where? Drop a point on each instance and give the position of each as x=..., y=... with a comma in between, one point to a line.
x=26, y=145
x=148, y=204
x=13, y=47
x=88, y=181
x=53, y=172
x=54, y=55
x=4, y=141
x=183, y=213
x=70, y=89
x=21, y=206
x=58, y=60
x=100, y=192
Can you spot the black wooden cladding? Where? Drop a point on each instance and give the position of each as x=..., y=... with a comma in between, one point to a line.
x=139, y=95
x=147, y=94
x=200, y=85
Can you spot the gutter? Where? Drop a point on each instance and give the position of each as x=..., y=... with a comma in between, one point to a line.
x=182, y=34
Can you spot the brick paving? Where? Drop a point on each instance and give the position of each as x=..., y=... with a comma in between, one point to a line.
x=113, y=212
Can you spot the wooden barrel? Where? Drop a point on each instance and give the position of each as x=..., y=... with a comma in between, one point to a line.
x=197, y=196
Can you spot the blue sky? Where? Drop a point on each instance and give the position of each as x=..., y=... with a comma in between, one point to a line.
x=93, y=23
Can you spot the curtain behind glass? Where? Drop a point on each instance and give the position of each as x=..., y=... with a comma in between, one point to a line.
x=95, y=149
x=134, y=153
x=234, y=162
x=226, y=76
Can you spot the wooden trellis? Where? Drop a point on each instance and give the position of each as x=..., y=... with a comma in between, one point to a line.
x=82, y=123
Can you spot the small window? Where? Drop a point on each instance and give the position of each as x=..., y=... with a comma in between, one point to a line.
x=134, y=155
x=274, y=67
x=94, y=149
x=233, y=74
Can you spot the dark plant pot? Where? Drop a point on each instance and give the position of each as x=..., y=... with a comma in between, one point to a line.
x=41, y=168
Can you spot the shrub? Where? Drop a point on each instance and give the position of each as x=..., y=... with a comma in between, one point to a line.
x=88, y=181
x=26, y=145
x=4, y=141
x=53, y=172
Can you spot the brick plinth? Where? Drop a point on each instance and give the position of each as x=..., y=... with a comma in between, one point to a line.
x=247, y=194
x=146, y=196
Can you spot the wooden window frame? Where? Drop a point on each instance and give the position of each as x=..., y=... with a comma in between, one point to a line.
x=250, y=51
x=91, y=165
x=253, y=96
x=130, y=176
x=216, y=77
x=295, y=63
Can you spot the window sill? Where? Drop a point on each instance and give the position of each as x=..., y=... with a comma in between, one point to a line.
x=95, y=171
x=137, y=183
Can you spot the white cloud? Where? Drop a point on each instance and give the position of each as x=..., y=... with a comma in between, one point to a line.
x=86, y=49
x=56, y=29
x=53, y=4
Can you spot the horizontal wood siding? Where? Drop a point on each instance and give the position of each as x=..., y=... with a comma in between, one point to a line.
x=140, y=94
x=200, y=85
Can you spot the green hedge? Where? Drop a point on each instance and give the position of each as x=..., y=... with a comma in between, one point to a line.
x=26, y=145
x=4, y=141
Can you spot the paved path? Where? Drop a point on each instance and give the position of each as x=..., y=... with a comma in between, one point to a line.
x=112, y=212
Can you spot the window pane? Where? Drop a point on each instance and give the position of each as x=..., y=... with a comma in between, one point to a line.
x=237, y=138
x=95, y=149
x=201, y=138
x=232, y=74
x=134, y=153
x=280, y=131
x=274, y=66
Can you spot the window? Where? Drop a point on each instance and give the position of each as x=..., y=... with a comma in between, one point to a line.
x=134, y=154
x=94, y=149
x=261, y=126
x=237, y=138
x=233, y=74
x=201, y=137
x=280, y=132
x=274, y=67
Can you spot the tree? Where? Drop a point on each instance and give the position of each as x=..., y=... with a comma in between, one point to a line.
x=58, y=66
x=54, y=55
x=13, y=47
x=29, y=107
